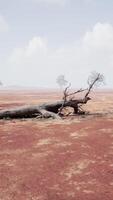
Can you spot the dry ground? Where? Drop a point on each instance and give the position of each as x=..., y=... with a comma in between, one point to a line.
x=69, y=159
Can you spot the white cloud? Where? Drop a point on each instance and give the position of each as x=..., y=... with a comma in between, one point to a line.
x=3, y=24
x=37, y=64
x=98, y=45
x=100, y=36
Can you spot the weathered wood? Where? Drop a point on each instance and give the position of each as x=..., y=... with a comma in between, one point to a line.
x=24, y=111
x=44, y=110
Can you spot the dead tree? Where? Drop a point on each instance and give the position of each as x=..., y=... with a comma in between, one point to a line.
x=54, y=109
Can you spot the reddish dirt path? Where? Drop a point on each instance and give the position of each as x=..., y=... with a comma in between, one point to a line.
x=56, y=160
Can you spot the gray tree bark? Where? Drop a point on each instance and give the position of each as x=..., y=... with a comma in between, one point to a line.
x=44, y=110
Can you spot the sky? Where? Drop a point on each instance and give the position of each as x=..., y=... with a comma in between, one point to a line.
x=42, y=39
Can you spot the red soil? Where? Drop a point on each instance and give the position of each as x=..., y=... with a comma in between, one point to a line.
x=69, y=159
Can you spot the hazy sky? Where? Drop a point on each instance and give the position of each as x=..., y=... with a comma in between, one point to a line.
x=41, y=39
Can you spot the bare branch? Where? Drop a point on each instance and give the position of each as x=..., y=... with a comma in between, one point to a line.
x=95, y=79
x=78, y=91
x=64, y=98
x=66, y=92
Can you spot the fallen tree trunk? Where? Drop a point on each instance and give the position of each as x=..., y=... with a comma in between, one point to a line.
x=44, y=110
x=54, y=110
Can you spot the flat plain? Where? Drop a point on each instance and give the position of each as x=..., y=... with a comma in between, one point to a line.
x=68, y=159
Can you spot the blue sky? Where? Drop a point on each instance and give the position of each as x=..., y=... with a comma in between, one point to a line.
x=41, y=39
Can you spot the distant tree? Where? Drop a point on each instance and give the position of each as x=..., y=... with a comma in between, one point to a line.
x=61, y=81
x=1, y=83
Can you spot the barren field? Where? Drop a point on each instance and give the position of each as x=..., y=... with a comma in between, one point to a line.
x=69, y=159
